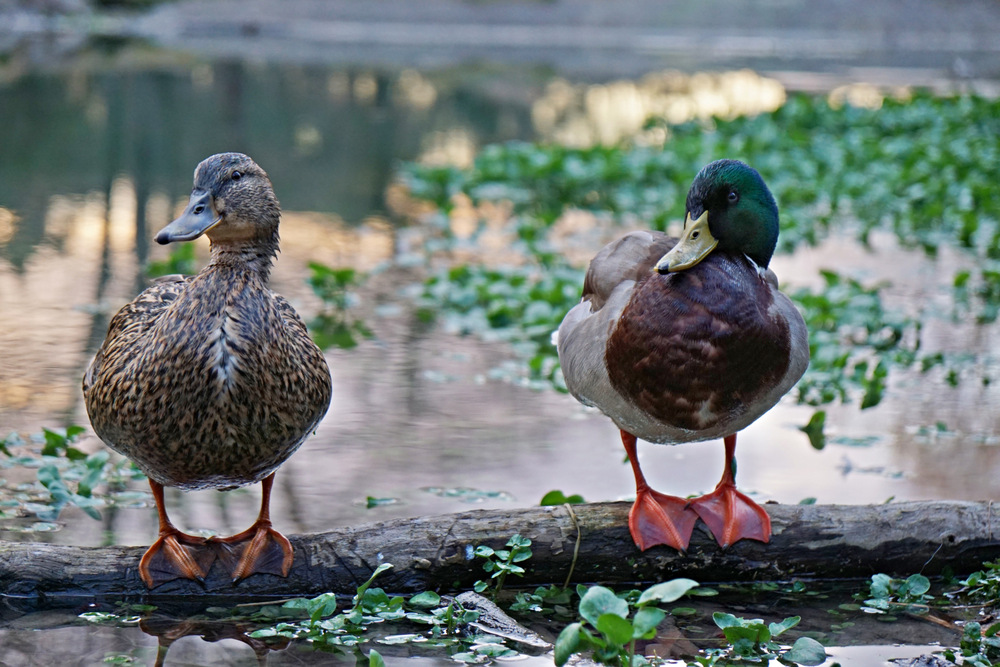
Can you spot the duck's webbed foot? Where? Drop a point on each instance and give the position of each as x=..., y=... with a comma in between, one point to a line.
x=656, y=518
x=176, y=555
x=732, y=516
x=729, y=514
x=259, y=549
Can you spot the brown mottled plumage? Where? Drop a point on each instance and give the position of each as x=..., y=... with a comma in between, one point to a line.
x=687, y=341
x=212, y=381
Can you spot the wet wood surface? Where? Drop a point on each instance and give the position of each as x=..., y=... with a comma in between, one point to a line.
x=435, y=553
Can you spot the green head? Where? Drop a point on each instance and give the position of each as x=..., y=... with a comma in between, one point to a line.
x=729, y=208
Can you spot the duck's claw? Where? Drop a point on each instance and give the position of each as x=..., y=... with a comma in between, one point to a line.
x=656, y=518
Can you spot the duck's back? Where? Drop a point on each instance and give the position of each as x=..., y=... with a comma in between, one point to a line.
x=692, y=355
x=207, y=382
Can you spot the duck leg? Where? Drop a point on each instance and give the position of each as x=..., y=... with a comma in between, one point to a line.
x=259, y=548
x=729, y=514
x=656, y=518
x=174, y=554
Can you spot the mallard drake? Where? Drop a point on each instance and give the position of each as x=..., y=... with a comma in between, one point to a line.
x=212, y=381
x=688, y=340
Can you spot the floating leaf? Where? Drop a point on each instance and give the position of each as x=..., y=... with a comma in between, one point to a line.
x=806, y=651
x=668, y=591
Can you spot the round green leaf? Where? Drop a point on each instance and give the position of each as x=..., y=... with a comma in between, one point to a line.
x=646, y=620
x=668, y=591
x=787, y=624
x=615, y=629
x=426, y=599
x=918, y=584
x=600, y=600
x=806, y=651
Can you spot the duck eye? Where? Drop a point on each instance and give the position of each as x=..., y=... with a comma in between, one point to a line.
x=733, y=196
x=236, y=176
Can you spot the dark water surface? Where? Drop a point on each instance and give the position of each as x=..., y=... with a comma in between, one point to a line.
x=97, y=155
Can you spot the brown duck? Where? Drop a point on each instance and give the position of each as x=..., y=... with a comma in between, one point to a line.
x=689, y=340
x=212, y=381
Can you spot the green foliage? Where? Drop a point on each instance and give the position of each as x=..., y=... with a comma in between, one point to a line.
x=910, y=594
x=753, y=641
x=521, y=305
x=853, y=341
x=551, y=599
x=66, y=475
x=979, y=647
x=501, y=562
x=180, y=260
x=557, y=497
x=321, y=626
x=334, y=325
x=983, y=585
x=814, y=429
x=605, y=629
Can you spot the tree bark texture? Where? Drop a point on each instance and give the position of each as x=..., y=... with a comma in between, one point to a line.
x=436, y=553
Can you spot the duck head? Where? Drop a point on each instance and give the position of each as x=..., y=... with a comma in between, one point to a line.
x=232, y=202
x=729, y=208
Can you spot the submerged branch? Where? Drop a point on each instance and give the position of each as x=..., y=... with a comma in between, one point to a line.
x=808, y=541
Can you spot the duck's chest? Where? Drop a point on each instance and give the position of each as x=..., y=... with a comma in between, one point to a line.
x=699, y=347
x=219, y=342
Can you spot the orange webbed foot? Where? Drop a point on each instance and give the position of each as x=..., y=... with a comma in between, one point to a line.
x=259, y=549
x=656, y=518
x=176, y=555
x=732, y=516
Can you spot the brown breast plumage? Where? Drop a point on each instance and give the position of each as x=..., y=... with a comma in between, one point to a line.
x=697, y=347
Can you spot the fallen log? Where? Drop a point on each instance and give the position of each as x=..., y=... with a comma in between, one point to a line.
x=579, y=543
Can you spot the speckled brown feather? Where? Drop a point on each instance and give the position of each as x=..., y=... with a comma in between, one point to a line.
x=210, y=381
x=696, y=347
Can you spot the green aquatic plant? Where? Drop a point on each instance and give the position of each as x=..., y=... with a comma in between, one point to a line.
x=753, y=641
x=335, y=325
x=323, y=627
x=557, y=497
x=65, y=474
x=608, y=629
x=983, y=585
x=978, y=647
x=502, y=562
x=180, y=260
x=911, y=594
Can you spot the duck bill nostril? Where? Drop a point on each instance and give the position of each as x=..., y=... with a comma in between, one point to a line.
x=198, y=217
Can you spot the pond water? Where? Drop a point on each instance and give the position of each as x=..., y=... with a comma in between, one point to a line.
x=97, y=156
